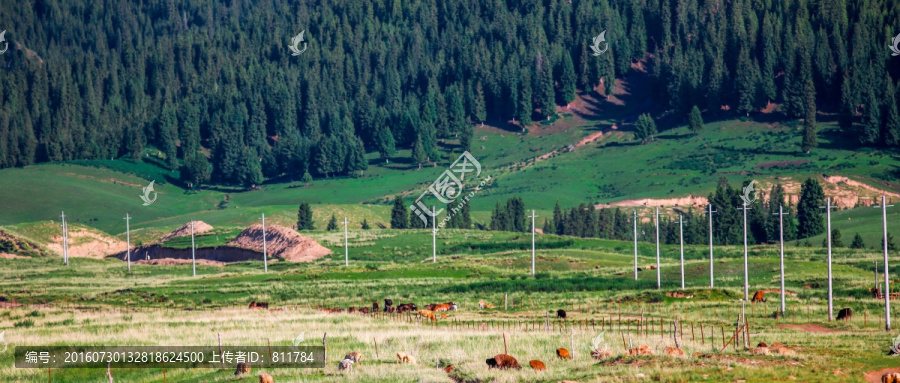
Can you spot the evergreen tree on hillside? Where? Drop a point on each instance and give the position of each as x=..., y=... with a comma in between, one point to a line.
x=891, y=245
x=418, y=153
x=558, y=220
x=305, y=218
x=890, y=127
x=500, y=219
x=728, y=221
x=196, y=169
x=644, y=128
x=695, y=120
x=332, y=223
x=567, y=79
x=858, y=242
x=524, y=110
x=809, y=215
x=399, y=214
x=416, y=222
x=809, y=140
x=835, y=239
x=848, y=105
x=871, y=120
x=544, y=89
x=365, y=225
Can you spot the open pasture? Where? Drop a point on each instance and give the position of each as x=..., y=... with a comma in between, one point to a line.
x=97, y=302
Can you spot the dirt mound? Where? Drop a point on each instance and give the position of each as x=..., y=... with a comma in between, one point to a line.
x=178, y=261
x=199, y=227
x=84, y=243
x=281, y=242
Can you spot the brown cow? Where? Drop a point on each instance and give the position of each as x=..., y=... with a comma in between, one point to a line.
x=444, y=307
x=266, y=378
x=375, y=306
x=758, y=297
x=406, y=358
x=242, y=368
x=503, y=362
x=537, y=365
x=845, y=314
x=563, y=353
x=351, y=309
x=252, y=305
x=404, y=307
x=428, y=314
x=365, y=310
x=890, y=377
x=355, y=356
x=262, y=305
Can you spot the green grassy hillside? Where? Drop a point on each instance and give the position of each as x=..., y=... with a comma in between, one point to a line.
x=613, y=168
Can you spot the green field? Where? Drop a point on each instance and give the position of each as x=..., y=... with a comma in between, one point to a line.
x=99, y=302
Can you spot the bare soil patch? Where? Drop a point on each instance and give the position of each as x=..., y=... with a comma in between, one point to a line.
x=281, y=242
x=875, y=376
x=809, y=328
x=199, y=228
x=694, y=201
x=87, y=244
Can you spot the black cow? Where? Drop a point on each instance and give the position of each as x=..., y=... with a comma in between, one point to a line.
x=845, y=314
x=561, y=314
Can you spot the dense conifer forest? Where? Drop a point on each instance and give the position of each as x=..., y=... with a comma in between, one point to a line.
x=214, y=87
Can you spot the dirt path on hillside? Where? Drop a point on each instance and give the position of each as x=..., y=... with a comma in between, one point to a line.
x=689, y=201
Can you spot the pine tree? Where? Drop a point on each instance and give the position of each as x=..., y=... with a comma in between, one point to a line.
x=746, y=83
x=695, y=120
x=891, y=245
x=332, y=223
x=809, y=214
x=558, y=220
x=465, y=137
x=567, y=81
x=809, y=140
x=365, y=225
x=545, y=94
x=385, y=143
x=416, y=222
x=890, y=128
x=848, y=105
x=455, y=110
x=305, y=218
x=418, y=153
x=858, y=242
x=871, y=122
x=524, y=110
x=479, y=105
x=399, y=214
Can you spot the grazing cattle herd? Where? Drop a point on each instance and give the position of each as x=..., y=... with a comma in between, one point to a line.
x=505, y=361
